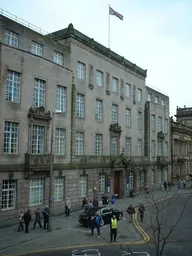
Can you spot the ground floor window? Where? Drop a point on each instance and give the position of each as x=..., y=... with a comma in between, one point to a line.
x=142, y=178
x=130, y=181
x=159, y=177
x=8, y=195
x=59, y=189
x=36, y=191
x=153, y=177
x=83, y=186
x=102, y=183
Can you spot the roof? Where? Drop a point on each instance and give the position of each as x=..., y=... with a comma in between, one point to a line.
x=72, y=32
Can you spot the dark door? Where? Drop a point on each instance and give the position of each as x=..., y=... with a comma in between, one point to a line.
x=116, y=183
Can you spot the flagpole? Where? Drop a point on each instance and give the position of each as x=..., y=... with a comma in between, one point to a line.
x=109, y=28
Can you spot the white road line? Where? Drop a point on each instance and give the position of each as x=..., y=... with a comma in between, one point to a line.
x=79, y=230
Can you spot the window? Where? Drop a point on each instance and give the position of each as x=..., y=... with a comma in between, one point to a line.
x=13, y=86
x=159, y=176
x=142, y=178
x=36, y=192
x=128, y=146
x=153, y=148
x=114, y=84
x=80, y=105
x=102, y=183
x=160, y=148
x=81, y=70
x=139, y=95
x=153, y=122
x=130, y=181
x=156, y=100
x=11, y=137
x=166, y=125
x=99, y=78
x=139, y=121
x=114, y=145
x=60, y=141
x=59, y=189
x=37, y=49
x=11, y=38
x=61, y=99
x=8, y=196
x=139, y=147
x=79, y=143
x=162, y=103
x=58, y=58
x=128, y=90
x=38, y=139
x=153, y=177
x=149, y=97
x=83, y=186
x=98, y=144
x=39, y=93
x=114, y=114
x=166, y=149
x=99, y=110
x=160, y=124
x=128, y=117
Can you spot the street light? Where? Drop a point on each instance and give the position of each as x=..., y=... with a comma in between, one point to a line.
x=51, y=173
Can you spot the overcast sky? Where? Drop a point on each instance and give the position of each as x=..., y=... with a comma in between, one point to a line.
x=155, y=34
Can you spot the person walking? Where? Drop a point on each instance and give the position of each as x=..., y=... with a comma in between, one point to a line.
x=67, y=207
x=46, y=218
x=37, y=218
x=165, y=185
x=96, y=202
x=113, y=230
x=92, y=225
x=27, y=219
x=113, y=199
x=141, y=210
x=98, y=224
x=130, y=211
x=20, y=222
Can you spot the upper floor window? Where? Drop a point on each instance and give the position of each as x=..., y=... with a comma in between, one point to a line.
x=128, y=90
x=153, y=148
x=99, y=78
x=128, y=117
x=38, y=139
x=153, y=122
x=80, y=105
x=139, y=147
x=11, y=137
x=37, y=48
x=114, y=145
x=60, y=141
x=39, y=93
x=160, y=124
x=163, y=103
x=81, y=70
x=98, y=144
x=114, y=114
x=166, y=149
x=58, y=58
x=139, y=95
x=79, y=143
x=156, y=100
x=13, y=86
x=11, y=38
x=114, y=84
x=128, y=146
x=149, y=97
x=61, y=99
x=99, y=110
x=166, y=125
x=139, y=121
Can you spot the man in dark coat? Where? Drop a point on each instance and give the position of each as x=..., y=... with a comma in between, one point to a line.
x=46, y=217
x=27, y=219
x=37, y=218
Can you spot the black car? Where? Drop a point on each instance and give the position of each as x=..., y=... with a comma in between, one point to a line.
x=106, y=214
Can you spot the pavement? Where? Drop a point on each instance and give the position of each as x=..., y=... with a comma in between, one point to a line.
x=68, y=234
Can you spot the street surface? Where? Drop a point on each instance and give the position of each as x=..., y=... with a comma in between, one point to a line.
x=67, y=233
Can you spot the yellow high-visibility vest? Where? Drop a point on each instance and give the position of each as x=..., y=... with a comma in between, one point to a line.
x=113, y=223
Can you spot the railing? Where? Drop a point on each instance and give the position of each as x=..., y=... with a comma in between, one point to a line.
x=38, y=160
x=184, y=111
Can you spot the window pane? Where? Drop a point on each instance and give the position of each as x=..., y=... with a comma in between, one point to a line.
x=11, y=137
x=8, y=198
x=13, y=86
x=38, y=139
x=36, y=192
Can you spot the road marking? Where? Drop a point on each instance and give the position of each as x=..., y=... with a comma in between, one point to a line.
x=79, y=230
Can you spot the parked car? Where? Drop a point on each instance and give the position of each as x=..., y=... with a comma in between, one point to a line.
x=105, y=212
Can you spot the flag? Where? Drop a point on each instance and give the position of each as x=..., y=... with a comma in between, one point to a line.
x=113, y=12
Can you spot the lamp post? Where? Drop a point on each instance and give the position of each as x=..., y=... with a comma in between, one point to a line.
x=51, y=174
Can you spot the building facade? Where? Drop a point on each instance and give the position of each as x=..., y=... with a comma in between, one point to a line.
x=184, y=115
x=94, y=103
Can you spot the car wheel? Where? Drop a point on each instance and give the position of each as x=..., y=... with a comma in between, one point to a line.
x=102, y=223
x=120, y=216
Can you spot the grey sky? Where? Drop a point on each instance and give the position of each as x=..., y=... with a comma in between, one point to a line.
x=155, y=35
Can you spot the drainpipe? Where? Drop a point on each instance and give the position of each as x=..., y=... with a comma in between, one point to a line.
x=172, y=160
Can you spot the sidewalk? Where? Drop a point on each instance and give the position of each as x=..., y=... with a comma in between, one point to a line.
x=9, y=236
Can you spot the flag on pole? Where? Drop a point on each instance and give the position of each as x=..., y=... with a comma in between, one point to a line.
x=113, y=12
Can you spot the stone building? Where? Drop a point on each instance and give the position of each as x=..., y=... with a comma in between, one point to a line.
x=184, y=115
x=94, y=103
x=181, y=152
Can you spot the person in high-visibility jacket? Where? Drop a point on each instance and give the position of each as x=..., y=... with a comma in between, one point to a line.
x=113, y=228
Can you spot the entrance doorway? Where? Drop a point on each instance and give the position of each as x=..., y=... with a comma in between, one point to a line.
x=116, y=182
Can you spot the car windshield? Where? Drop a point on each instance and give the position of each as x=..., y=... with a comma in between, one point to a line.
x=91, y=210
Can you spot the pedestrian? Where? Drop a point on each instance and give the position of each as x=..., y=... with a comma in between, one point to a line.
x=90, y=205
x=84, y=202
x=92, y=224
x=46, y=218
x=113, y=200
x=98, y=223
x=130, y=211
x=27, y=219
x=113, y=230
x=37, y=218
x=141, y=210
x=67, y=207
x=165, y=185
x=20, y=222
x=96, y=202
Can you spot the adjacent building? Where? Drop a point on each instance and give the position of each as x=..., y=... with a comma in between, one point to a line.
x=110, y=133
